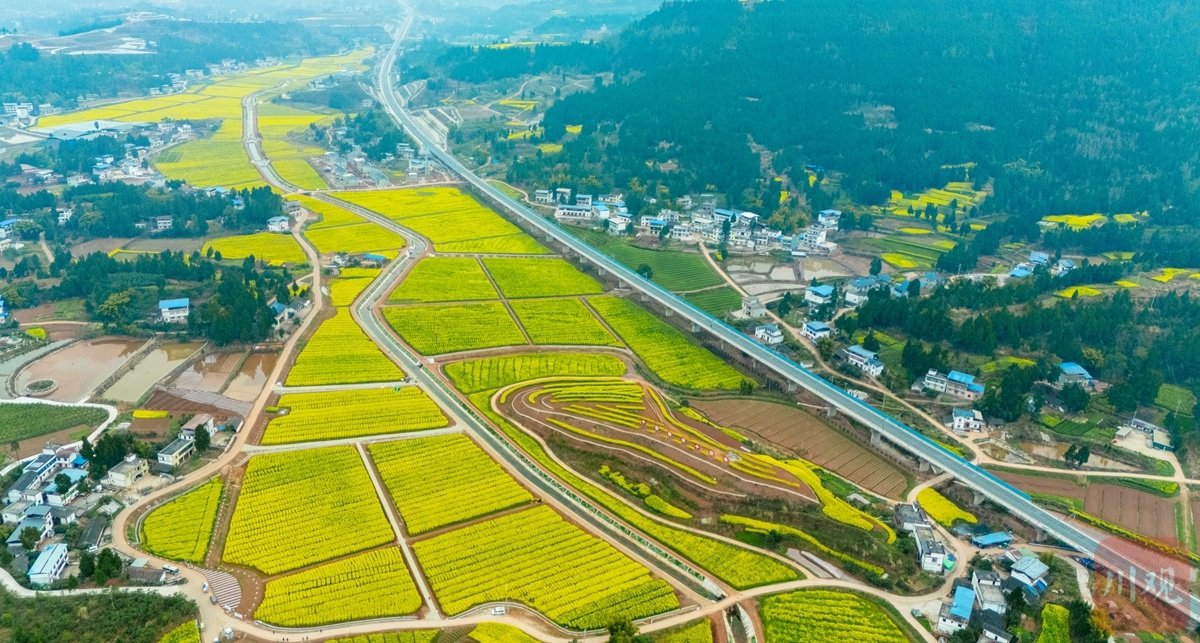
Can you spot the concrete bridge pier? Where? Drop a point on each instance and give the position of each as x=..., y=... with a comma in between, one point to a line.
x=977, y=498
x=877, y=439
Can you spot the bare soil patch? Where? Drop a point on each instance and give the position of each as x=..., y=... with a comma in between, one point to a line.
x=795, y=430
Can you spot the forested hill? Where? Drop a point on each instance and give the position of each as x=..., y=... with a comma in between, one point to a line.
x=1072, y=106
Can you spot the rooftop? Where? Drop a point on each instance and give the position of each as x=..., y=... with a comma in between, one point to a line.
x=177, y=446
x=45, y=560
x=992, y=539
x=964, y=602
x=822, y=290
x=174, y=304
x=1031, y=567
x=1071, y=368
x=816, y=326
x=857, y=349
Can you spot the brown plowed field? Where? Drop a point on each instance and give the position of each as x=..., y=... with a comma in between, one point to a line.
x=795, y=430
x=1145, y=513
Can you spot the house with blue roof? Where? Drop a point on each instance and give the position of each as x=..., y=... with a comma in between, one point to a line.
x=994, y=539
x=1063, y=266
x=1019, y=273
x=858, y=290
x=769, y=334
x=174, y=311
x=816, y=330
x=955, y=383
x=1039, y=258
x=1032, y=573
x=956, y=614
x=1072, y=373
x=863, y=359
x=965, y=420
x=278, y=224
x=818, y=295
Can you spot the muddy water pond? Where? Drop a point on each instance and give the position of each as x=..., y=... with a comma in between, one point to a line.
x=251, y=378
x=80, y=367
x=155, y=366
x=209, y=373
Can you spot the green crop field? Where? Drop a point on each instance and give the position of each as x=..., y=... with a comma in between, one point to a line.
x=437, y=279
x=444, y=480
x=434, y=329
x=519, y=277
x=537, y=558
x=333, y=415
x=717, y=301
x=673, y=269
x=561, y=321
x=297, y=508
x=1176, y=398
x=665, y=350
x=23, y=421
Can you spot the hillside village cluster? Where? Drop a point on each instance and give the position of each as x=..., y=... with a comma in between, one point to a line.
x=54, y=492
x=699, y=220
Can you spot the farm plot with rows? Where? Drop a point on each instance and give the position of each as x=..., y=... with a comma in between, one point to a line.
x=297, y=508
x=561, y=322
x=269, y=247
x=181, y=528
x=433, y=330
x=823, y=615
x=539, y=559
x=349, y=285
x=665, y=350
x=443, y=480
x=333, y=415
x=452, y=220
x=437, y=279
x=23, y=421
x=491, y=373
x=795, y=430
x=376, y=584
x=1140, y=511
x=523, y=277
x=341, y=353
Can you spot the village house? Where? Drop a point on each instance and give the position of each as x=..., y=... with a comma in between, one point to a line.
x=49, y=565
x=863, y=359
x=278, y=224
x=988, y=594
x=769, y=334
x=956, y=615
x=543, y=196
x=753, y=308
x=1031, y=572
x=818, y=295
x=1072, y=373
x=857, y=290
x=174, y=311
x=955, y=384
x=965, y=420
x=178, y=451
x=816, y=330
x=127, y=472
